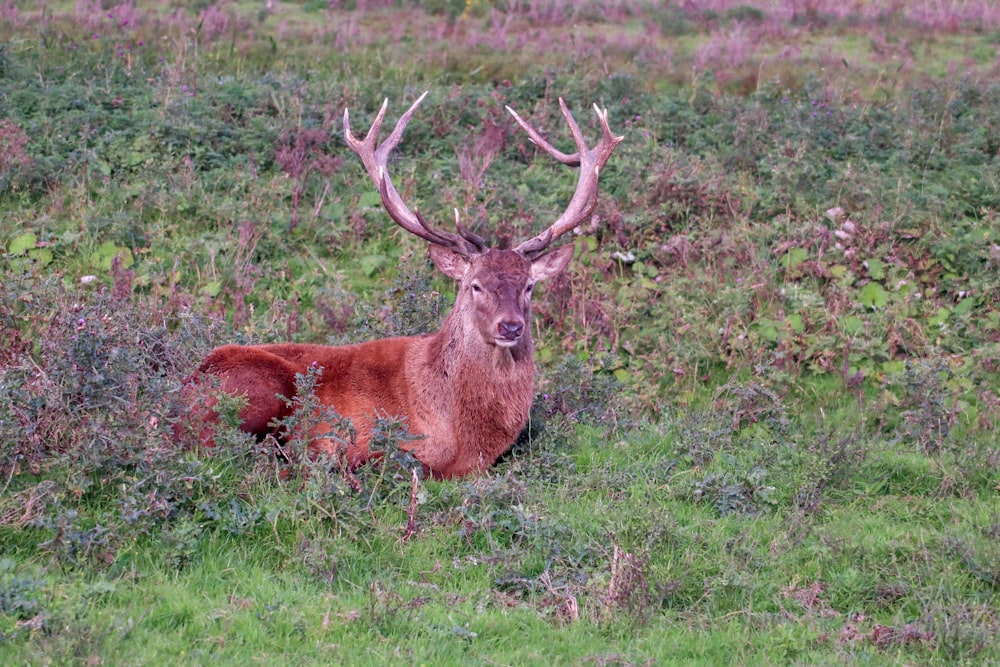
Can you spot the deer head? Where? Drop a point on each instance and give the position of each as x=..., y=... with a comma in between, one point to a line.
x=495, y=285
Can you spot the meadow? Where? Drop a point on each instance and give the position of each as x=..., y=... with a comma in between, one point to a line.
x=768, y=382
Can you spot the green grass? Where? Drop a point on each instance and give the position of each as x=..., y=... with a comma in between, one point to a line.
x=767, y=397
x=499, y=558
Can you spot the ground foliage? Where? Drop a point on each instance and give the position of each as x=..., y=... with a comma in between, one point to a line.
x=767, y=396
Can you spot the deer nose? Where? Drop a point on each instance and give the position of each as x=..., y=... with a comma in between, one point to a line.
x=510, y=330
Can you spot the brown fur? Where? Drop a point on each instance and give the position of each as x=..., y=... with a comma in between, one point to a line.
x=466, y=389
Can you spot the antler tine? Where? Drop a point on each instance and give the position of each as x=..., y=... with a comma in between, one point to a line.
x=376, y=158
x=591, y=162
x=571, y=160
x=468, y=235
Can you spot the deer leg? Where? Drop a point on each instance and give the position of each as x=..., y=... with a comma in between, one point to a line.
x=437, y=456
x=339, y=440
x=260, y=376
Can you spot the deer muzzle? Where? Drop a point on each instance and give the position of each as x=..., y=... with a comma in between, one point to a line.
x=508, y=333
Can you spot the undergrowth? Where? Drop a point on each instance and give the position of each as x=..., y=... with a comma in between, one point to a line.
x=767, y=398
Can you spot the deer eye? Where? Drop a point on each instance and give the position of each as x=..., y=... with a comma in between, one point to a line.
x=477, y=288
x=527, y=290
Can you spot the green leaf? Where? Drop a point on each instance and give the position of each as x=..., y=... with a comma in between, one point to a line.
x=893, y=367
x=336, y=211
x=852, y=325
x=794, y=257
x=876, y=269
x=22, y=243
x=212, y=288
x=41, y=256
x=940, y=317
x=767, y=329
x=965, y=305
x=370, y=264
x=873, y=295
x=105, y=253
x=794, y=322
x=369, y=199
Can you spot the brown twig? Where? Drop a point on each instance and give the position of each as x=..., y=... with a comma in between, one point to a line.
x=411, y=510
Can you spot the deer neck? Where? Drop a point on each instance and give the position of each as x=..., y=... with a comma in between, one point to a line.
x=476, y=392
x=489, y=388
x=461, y=372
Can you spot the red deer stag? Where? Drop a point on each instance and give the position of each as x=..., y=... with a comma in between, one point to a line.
x=466, y=389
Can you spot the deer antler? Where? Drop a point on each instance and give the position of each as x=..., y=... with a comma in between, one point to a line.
x=376, y=163
x=591, y=162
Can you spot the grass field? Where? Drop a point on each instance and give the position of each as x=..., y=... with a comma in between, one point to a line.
x=768, y=383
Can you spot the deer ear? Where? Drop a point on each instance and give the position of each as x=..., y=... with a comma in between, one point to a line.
x=448, y=262
x=552, y=262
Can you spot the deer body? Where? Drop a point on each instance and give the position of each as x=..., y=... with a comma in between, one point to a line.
x=466, y=390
